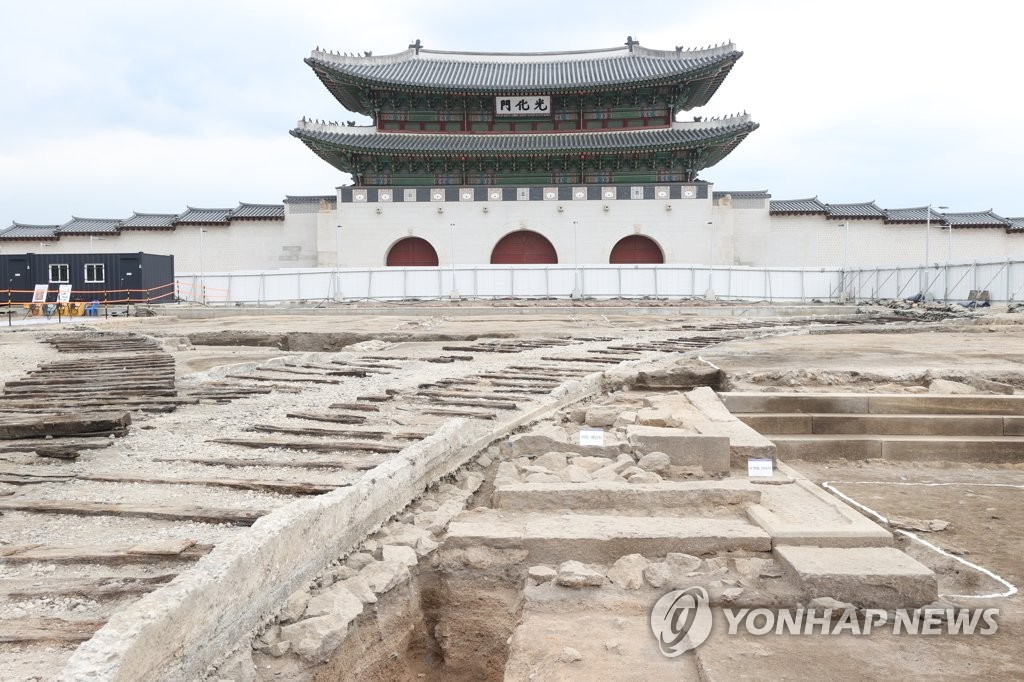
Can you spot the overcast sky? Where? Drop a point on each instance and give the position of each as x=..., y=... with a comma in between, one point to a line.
x=110, y=106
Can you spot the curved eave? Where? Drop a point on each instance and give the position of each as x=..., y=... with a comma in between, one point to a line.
x=347, y=86
x=339, y=148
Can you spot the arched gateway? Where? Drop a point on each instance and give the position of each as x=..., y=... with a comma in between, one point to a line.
x=636, y=248
x=412, y=252
x=523, y=247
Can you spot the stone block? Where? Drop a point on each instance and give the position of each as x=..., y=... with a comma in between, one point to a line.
x=874, y=577
x=946, y=404
x=628, y=571
x=800, y=403
x=406, y=555
x=907, y=425
x=601, y=495
x=1013, y=426
x=335, y=599
x=602, y=415
x=825, y=448
x=552, y=461
x=314, y=639
x=711, y=453
x=778, y=424
x=575, y=574
x=551, y=538
x=381, y=576
x=658, y=462
x=684, y=374
x=531, y=444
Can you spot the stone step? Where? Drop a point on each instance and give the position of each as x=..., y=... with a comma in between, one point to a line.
x=883, y=424
x=821, y=448
x=875, y=577
x=853, y=403
x=680, y=497
x=804, y=514
x=553, y=538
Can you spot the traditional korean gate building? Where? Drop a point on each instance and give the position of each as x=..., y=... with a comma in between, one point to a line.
x=559, y=157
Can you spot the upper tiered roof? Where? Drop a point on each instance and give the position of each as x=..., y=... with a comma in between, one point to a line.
x=348, y=77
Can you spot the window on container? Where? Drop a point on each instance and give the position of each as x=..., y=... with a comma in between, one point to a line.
x=95, y=273
x=59, y=272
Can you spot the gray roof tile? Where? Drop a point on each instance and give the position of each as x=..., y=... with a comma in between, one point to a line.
x=523, y=72
x=23, y=231
x=307, y=198
x=867, y=210
x=258, y=212
x=911, y=215
x=91, y=226
x=975, y=219
x=204, y=216
x=368, y=140
x=744, y=194
x=797, y=207
x=1016, y=224
x=141, y=221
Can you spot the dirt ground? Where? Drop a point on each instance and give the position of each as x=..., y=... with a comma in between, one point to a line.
x=981, y=502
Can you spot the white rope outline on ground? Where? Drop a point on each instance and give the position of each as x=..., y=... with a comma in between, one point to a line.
x=1011, y=589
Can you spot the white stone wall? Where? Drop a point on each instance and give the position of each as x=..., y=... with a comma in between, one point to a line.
x=240, y=245
x=368, y=230
x=744, y=234
x=815, y=241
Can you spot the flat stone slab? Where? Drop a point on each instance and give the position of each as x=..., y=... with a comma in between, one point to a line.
x=638, y=498
x=819, y=448
x=803, y=514
x=552, y=538
x=878, y=424
x=895, y=403
x=748, y=402
x=875, y=577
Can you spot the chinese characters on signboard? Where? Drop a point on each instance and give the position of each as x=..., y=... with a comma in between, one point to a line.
x=523, y=105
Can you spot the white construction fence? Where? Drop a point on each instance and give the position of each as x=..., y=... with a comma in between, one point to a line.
x=1004, y=280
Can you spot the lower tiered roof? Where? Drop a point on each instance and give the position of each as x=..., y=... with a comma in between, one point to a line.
x=347, y=147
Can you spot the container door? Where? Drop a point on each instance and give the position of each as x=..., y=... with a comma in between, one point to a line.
x=130, y=269
x=19, y=279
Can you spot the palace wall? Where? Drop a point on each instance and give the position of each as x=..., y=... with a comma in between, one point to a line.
x=744, y=234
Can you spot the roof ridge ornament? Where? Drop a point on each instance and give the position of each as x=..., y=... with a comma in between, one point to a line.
x=630, y=43
x=416, y=46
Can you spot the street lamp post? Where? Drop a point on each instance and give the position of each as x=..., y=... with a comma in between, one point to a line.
x=455, y=292
x=577, y=291
x=926, y=284
x=846, y=255
x=337, y=246
x=710, y=293
x=202, y=274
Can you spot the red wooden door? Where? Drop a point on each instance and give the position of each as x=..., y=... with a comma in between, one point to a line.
x=523, y=247
x=636, y=249
x=412, y=252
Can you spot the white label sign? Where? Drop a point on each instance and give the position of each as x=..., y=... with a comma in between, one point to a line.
x=591, y=437
x=759, y=467
x=522, y=105
x=40, y=292
x=64, y=293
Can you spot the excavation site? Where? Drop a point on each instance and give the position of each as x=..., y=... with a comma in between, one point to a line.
x=532, y=491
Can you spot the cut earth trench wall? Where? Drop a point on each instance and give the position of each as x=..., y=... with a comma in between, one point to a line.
x=178, y=631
